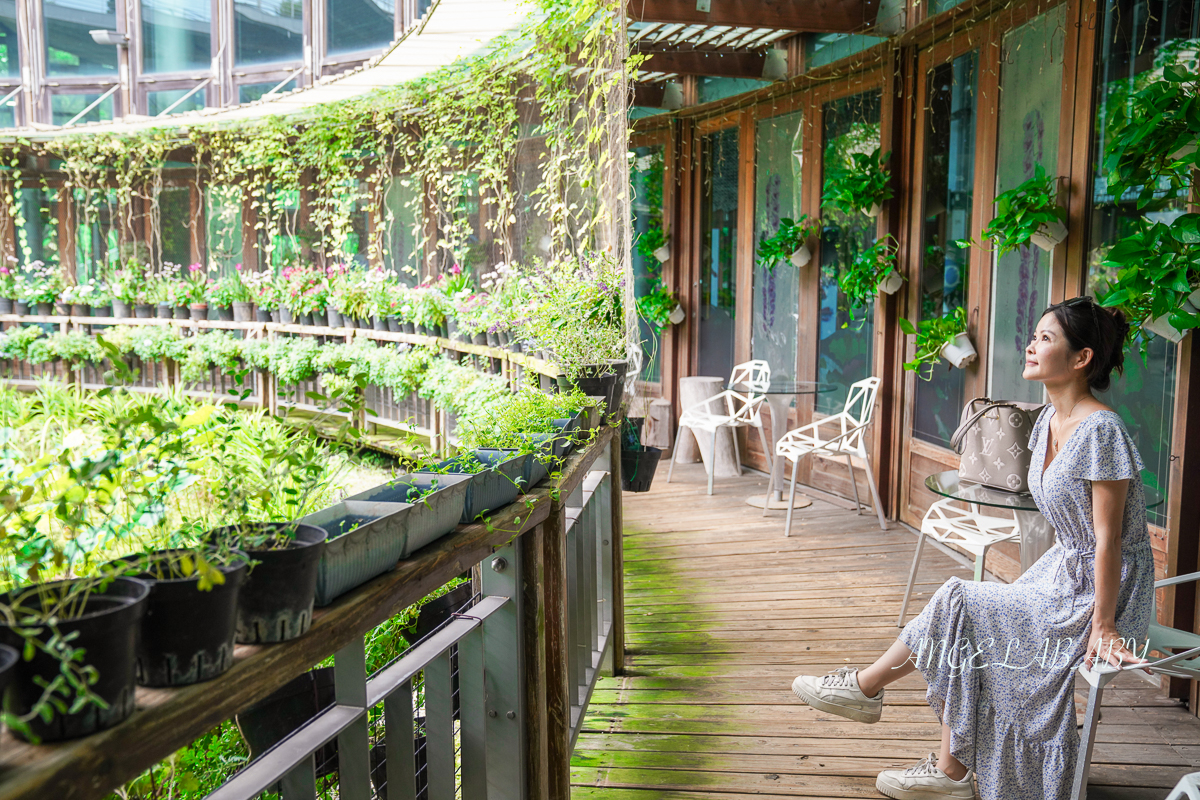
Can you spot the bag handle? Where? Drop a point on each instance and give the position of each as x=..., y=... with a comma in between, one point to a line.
x=956, y=439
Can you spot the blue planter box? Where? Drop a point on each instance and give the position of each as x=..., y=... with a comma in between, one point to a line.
x=365, y=540
x=433, y=515
x=490, y=489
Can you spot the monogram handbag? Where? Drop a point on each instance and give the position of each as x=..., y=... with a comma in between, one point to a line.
x=993, y=440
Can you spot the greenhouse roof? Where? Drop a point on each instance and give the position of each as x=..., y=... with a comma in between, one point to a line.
x=452, y=29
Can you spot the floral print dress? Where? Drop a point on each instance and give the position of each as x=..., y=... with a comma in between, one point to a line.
x=1000, y=658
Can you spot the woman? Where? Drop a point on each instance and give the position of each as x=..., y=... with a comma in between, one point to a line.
x=1000, y=658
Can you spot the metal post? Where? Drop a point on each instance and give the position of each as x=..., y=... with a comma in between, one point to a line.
x=350, y=689
x=504, y=670
x=301, y=782
x=401, y=764
x=439, y=728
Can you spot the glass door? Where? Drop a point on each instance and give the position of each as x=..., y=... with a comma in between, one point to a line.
x=718, y=251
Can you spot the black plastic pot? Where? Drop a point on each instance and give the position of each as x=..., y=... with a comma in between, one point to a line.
x=224, y=314
x=262, y=315
x=493, y=339
x=276, y=601
x=107, y=632
x=604, y=380
x=62, y=309
x=81, y=310
x=187, y=634
x=267, y=722
x=307, y=319
x=638, y=467
x=243, y=311
x=393, y=324
x=333, y=317
x=436, y=612
x=21, y=307
x=183, y=312
x=277, y=315
x=379, y=323
x=165, y=311
x=410, y=327
x=6, y=305
x=121, y=309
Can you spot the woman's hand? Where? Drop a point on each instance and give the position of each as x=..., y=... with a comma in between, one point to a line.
x=1106, y=644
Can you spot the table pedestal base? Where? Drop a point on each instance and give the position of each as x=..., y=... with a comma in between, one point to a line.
x=779, y=503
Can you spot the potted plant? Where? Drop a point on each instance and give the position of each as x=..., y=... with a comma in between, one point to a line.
x=638, y=462
x=43, y=283
x=127, y=285
x=1027, y=213
x=872, y=271
x=1157, y=282
x=264, y=291
x=224, y=292
x=8, y=285
x=660, y=306
x=940, y=337
x=790, y=243
x=860, y=183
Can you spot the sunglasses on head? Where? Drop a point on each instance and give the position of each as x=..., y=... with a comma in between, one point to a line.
x=1084, y=299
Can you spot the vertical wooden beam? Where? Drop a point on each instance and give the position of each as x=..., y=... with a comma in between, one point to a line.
x=1075, y=145
x=744, y=258
x=618, y=557
x=558, y=698
x=250, y=236
x=537, y=750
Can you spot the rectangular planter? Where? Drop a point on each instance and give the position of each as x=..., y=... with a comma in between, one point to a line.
x=366, y=539
x=533, y=471
x=490, y=489
x=430, y=517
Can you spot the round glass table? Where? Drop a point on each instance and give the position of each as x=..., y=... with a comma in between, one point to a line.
x=780, y=393
x=1037, y=535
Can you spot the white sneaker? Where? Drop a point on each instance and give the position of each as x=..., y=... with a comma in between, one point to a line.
x=838, y=693
x=924, y=782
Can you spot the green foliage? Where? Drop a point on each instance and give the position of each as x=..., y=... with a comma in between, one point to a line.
x=861, y=279
x=858, y=182
x=227, y=290
x=1021, y=212
x=776, y=249
x=932, y=335
x=657, y=304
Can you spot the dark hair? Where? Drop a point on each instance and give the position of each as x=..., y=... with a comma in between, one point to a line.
x=1102, y=330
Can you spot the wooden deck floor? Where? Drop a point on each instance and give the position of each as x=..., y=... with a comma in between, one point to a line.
x=722, y=612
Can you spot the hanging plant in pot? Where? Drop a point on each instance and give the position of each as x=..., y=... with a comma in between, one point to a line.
x=638, y=462
x=1026, y=214
x=872, y=271
x=937, y=338
x=862, y=183
x=1157, y=283
x=660, y=307
x=790, y=243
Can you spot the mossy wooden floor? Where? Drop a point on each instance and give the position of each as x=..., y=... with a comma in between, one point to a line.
x=722, y=612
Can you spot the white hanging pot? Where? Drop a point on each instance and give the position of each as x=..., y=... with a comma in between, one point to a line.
x=1194, y=299
x=663, y=253
x=959, y=352
x=891, y=282
x=874, y=210
x=1184, y=151
x=802, y=256
x=1049, y=235
x=677, y=315
x=1161, y=326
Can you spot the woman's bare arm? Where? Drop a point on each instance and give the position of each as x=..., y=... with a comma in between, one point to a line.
x=1108, y=511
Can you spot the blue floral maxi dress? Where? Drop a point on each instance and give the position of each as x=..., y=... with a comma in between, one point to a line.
x=1000, y=658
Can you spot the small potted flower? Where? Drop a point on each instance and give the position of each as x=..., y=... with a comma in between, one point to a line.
x=8, y=285
x=940, y=337
x=42, y=286
x=127, y=284
x=264, y=292
x=223, y=293
x=790, y=243
x=861, y=184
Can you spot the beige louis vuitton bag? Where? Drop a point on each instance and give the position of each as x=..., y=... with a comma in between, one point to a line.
x=993, y=440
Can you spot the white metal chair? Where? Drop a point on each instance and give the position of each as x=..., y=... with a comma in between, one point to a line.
x=1188, y=788
x=972, y=531
x=728, y=409
x=843, y=434
x=1185, y=664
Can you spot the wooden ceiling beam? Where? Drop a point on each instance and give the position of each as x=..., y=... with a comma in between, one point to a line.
x=810, y=16
x=706, y=62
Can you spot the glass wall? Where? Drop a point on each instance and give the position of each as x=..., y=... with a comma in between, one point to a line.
x=359, y=24
x=64, y=107
x=1030, y=90
x=278, y=243
x=10, y=63
x=646, y=176
x=718, y=251
x=223, y=227
x=174, y=223
x=37, y=226
x=1138, y=39
x=267, y=31
x=851, y=125
x=402, y=229
x=176, y=35
x=949, y=164
x=69, y=47
x=779, y=157
x=97, y=245
x=157, y=102
x=250, y=92
x=710, y=88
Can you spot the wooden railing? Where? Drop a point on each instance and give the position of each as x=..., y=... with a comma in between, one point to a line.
x=548, y=572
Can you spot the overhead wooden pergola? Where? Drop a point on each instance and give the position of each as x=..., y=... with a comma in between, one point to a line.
x=809, y=16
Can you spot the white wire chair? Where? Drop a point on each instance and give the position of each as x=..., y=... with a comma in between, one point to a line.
x=843, y=434
x=728, y=409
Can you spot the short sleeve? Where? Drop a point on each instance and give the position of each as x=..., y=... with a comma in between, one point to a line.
x=1107, y=453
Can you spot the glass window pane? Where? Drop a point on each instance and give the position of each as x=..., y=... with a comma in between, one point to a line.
x=646, y=177
x=778, y=159
x=709, y=88
x=174, y=223
x=176, y=35
x=948, y=192
x=64, y=107
x=851, y=125
x=278, y=242
x=96, y=240
x=825, y=48
x=266, y=31
x=37, y=226
x=10, y=63
x=402, y=241
x=1136, y=45
x=69, y=47
x=360, y=24
x=8, y=113
x=255, y=91
x=1030, y=89
x=158, y=102
x=718, y=251
x=223, y=226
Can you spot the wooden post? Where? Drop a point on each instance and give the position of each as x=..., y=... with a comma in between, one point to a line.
x=558, y=699
x=618, y=559
x=537, y=751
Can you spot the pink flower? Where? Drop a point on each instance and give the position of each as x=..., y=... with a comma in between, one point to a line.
x=455, y=270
